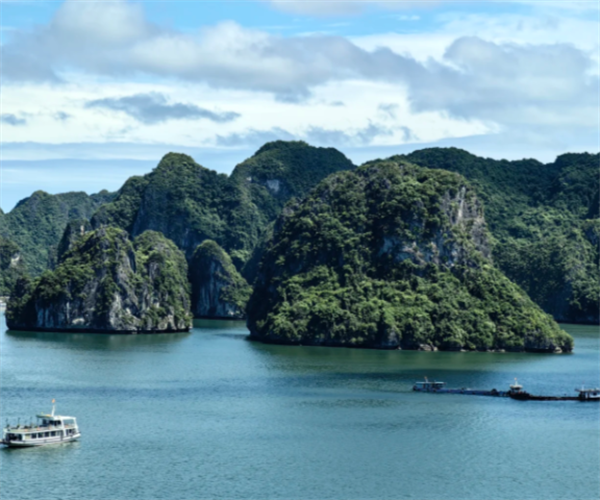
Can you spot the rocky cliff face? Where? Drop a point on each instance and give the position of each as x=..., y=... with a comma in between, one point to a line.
x=72, y=234
x=392, y=256
x=218, y=290
x=11, y=265
x=105, y=283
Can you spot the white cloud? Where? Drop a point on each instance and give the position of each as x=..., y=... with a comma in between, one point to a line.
x=110, y=24
x=475, y=79
x=512, y=72
x=325, y=8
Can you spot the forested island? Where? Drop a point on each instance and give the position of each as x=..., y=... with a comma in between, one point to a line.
x=436, y=249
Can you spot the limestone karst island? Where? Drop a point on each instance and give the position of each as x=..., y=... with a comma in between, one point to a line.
x=435, y=250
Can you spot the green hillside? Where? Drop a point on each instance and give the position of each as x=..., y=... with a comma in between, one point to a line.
x=190, y=204
x=544, y=219
x=37, y=223
x=392, y=255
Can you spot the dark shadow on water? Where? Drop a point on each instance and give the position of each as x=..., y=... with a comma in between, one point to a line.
x=98, y=341
x=404, y=359
x=221, y=324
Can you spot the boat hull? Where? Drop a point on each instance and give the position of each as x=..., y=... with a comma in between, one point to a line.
x=472, y=392
x=523, y=396
x=34, y=443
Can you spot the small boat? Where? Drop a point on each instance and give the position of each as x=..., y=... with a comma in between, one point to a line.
x=429, y=386
x=49, y=429
x=440, y=387
x=588, y=394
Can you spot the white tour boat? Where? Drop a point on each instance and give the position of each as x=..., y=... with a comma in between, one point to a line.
x=49, y=429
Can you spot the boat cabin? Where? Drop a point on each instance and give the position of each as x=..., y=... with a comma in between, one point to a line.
x=428, y=385
x=589, y=394
x=515, y=388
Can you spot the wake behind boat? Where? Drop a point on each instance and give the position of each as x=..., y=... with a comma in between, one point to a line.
x=49, y=429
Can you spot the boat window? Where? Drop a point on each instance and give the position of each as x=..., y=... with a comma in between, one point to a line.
x=46, y=434
x=53, y=433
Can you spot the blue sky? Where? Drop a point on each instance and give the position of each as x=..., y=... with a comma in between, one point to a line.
x=93, y=92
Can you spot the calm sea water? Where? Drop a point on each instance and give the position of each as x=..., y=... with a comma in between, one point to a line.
x=211, y=415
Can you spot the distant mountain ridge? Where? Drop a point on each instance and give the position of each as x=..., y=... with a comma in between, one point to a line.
x=189, y=203
x=37, y=223
x=543, y=219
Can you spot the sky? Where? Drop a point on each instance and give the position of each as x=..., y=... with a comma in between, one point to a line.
x=92, y=92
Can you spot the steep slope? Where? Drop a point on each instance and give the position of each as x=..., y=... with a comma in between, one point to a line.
x=544, y=219
x=105, y=283
x=392, y=255
x=218, y=290
x=37, y=223
x=11, y=265
x=189, y=203
x=73, y=233
x=179, y=198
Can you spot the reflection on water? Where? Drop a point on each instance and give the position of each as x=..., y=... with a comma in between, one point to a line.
x=361, y=359
x=221, y=324
x=101, y=341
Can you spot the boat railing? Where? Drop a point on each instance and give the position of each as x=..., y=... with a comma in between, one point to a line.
x=34, y=428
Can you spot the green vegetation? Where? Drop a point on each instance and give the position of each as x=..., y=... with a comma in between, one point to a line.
x=218, y=289
x=37, y=224
x=11, y=265
x=104, y=282
x=392, y=255
x=544, y=219
x=190, y=204
x=74, y=231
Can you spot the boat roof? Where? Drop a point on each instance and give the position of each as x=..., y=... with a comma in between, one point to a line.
x=54, y=417
x=430, y=382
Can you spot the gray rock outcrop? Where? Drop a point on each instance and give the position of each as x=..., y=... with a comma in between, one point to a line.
x=218, y=290
x=106, y=283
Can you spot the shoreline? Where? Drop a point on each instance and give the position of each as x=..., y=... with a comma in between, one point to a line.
x=98, y=331
x=420, y=348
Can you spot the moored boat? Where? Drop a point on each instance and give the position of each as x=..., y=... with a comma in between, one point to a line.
x=49, y=429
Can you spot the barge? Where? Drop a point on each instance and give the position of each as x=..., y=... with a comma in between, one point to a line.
x=515, y=391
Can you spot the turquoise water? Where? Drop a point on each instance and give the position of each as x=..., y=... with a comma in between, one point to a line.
x=211, y=415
